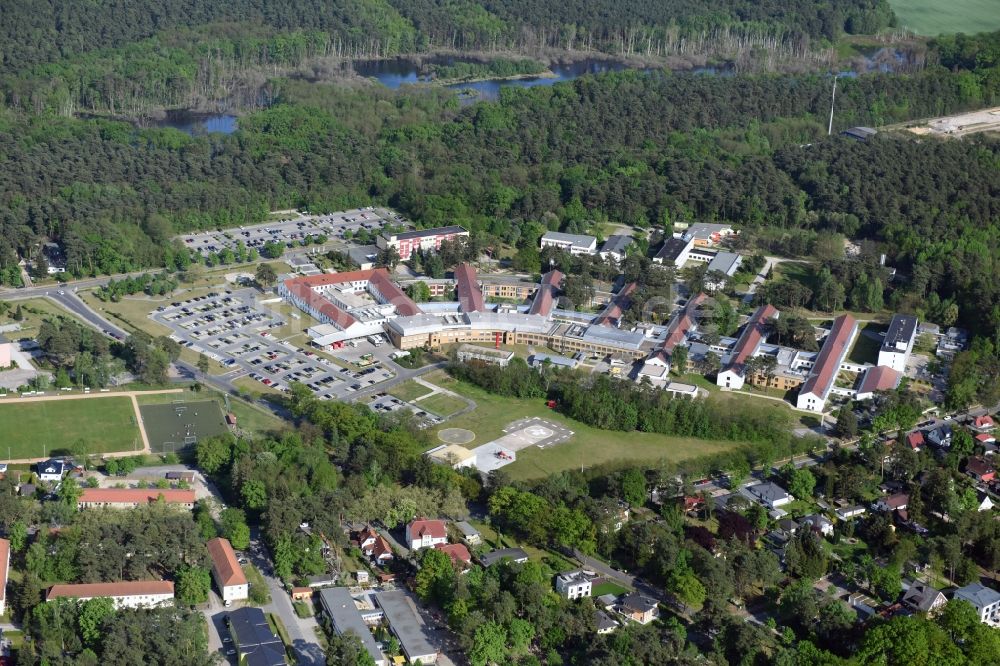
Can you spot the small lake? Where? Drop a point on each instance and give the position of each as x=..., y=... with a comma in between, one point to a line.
x=398, y=72
x=196, y=123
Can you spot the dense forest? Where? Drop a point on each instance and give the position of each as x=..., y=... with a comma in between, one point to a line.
x=643, y=149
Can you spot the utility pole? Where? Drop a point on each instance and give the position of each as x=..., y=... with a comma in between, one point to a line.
x=833, y=98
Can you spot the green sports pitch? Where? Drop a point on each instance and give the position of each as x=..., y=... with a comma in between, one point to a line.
x=177, y=425
x=67, y=427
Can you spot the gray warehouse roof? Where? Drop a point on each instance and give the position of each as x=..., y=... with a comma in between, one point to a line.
x=405, y=624
x=578, y=240
x=339, y=605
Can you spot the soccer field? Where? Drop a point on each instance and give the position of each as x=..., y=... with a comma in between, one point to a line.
x=934, y=17
x=174, y=426
x=44, y=428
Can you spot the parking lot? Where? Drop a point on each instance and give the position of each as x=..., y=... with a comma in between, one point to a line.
x=237, y=330
x=297, y=230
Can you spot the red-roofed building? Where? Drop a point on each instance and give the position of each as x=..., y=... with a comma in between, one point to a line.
x=458, y=553
x=984, y=438
x=680, y=327
x=131, y=498
x=470, y=296
x=612, y=314
x=984, y=423
x=753, y=336
x=980, y=469
x=915, y=440
x=816, y=389
x=127, y=594
x=545, y=297
x=877, y=378
x=226, y=571
x=424, y=533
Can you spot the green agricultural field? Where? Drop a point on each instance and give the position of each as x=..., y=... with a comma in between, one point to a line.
x=38, y=429
x=588, y=446
x=934, y=17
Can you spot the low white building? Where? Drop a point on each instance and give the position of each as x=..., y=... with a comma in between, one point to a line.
x=572, y=243
x=984, y=599
x=226, y=571
x=574, y=584
x=127, y=594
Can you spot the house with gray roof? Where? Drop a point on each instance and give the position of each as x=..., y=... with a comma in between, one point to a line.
x=984, y=599
x=769, y=494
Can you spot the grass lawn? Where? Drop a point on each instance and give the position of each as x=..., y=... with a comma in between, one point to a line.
x=408, y=391
x=932, y=17
x=442, y=404
x=34, y=311
x=249, y=417
x=608, y=587
x=37, y=429
x=802, y=273
x=588, y=446
x=866, y=346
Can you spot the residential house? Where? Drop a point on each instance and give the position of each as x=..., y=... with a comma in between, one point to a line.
x=984, y=439
x=226, y=571
x=894, y=502
x=980, y=469
x=373, y=545
x=52, y=470
x=424, y=533
x=985, y=600
x=819, y=523
x=849, y=512
x=575, y=584
x=470, y=535
x=604, y=622
x=984, y=501
x=458, y=553
x=923, y=598
x=939, y=437
x=615, y=247
x=127, y=594
x=769, y=494
x=516, y=555
x=253, y=638
x=983, y=423
x=639, y=608
x=915, y=440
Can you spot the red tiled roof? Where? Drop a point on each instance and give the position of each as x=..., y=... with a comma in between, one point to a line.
x=680, y=326
x=122, y=589
x=896, y=501
x=135, y=495
x=381, y=547
x=879, y=378
x=434, y=528
x=224, y=562
x=979, y=466
x=820, y=379
x=915, y=439
x=985, y=438
x=470, y=297
x=456, y=551
x=984, y=421
x=4, y=565
x=751, y=337
x=546, y=296
x=617, y=306
x=302, y=287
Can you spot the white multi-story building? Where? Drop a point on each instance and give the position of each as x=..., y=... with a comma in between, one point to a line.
x=898, y=342
x=408, y=242
x=574, y=584
x=572, y=243
x=984, y=599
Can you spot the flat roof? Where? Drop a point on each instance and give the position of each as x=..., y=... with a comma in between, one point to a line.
x=672, y=248
x=492, y=557
x=436, y=231
x=902, y=328
x=339, y=605
x=835, y=347
x=577, y=240
x=136, y=495
x=405, y=623
x=251, y=628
